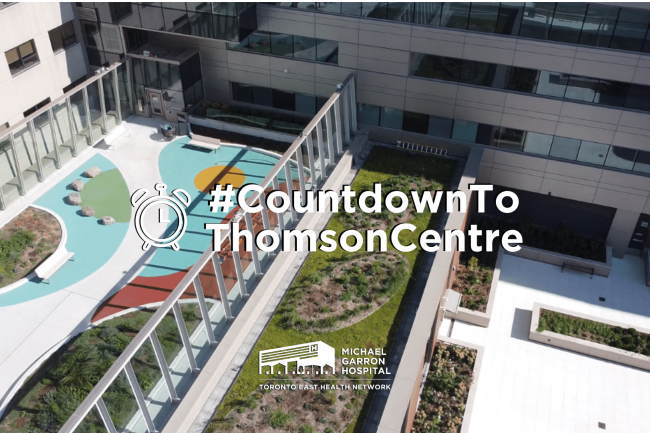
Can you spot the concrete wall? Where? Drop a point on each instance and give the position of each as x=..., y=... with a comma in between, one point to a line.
x=20, y=23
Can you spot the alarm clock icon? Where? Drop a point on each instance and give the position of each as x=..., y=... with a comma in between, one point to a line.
x=139, y=199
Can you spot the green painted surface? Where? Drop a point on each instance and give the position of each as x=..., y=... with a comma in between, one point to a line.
x=108, y=195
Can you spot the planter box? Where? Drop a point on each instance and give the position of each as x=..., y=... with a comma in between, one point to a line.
x=241, y=129
x=477, y=317
x=583, y=346
x=557, y=259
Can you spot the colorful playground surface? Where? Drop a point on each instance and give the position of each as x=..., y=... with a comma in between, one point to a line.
x=92, y=243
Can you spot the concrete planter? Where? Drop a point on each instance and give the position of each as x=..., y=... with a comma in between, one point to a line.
x=241, y=129
x=477, y=317
x=557, y=259
x=583, y=346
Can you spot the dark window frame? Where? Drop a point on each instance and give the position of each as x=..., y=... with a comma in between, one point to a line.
x=66, y=42
x=22, y=58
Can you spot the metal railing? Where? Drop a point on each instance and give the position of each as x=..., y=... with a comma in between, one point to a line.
x=338, y=117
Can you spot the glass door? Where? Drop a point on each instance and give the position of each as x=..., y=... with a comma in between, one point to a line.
x=156, y=103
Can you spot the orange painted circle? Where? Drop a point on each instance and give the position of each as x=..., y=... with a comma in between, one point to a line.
x=219, y=174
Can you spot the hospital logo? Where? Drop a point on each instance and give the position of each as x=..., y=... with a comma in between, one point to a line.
x=316, y=354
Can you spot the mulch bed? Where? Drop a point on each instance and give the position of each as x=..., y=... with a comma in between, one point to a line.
x=474, y=286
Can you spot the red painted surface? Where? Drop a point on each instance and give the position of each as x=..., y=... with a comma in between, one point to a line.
x=149, y=290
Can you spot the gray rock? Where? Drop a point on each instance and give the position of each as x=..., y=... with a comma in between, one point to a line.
x=77, y=185
x=88, y=211
x=74, y=198
x=107, y=220
x=92, y=172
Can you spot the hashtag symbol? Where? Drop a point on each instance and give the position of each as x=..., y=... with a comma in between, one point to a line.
x=222, y=199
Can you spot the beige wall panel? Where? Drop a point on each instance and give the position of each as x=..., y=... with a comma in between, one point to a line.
x=573, y=170
x=520, y=161
x=488, y=155
x=348, y=49
x=330, y=72
x=610, y=116
x=571, y=179
x=436, y=46
x=568, y=190
x=612, y=177
x=430, y=87
x=337, y=33
x=374, y=79
x=633, y=141
x=506, y=178
x=214, y=72
x=484, y=96
x=477, y=114
x=635, y=120
x=619, y=242
x=625, y=221
x=292, y=66
x=384, y=40
x=292, y=84
x=381, y=99
x=250, y=78
x=396, y=56
x=536, y=104
x=527, y=123
x=441, y=108
x=294, y=27
x=619, y=200
x=387, y=67
x=348, y=61
x=485, y=53
x=534, y=60
x=248, y=60
x=484, y=174
x=581, y=132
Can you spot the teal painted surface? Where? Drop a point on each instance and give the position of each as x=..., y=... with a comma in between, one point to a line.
x=92, y=243
x=179, y=164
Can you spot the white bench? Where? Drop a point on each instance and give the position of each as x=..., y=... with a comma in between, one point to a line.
x=52, y=264
x=205, y=142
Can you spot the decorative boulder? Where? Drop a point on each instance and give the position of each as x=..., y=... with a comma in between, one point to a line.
x=92, y=171
x=88, y=211
x=74, y=198
x=107, y=220
x=77, y=185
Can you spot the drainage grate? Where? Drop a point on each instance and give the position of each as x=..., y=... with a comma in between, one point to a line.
x=601, y=299
x=602, y=425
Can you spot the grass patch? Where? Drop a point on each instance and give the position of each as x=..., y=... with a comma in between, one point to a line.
x=108, y=195
x=602, y=333
x=53, y=393
x=377, y=330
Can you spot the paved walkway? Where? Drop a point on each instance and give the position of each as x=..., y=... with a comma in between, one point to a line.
x=31, y=330
x=525, y=386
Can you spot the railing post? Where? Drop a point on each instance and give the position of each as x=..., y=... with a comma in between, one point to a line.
x=204, y=311
x=162, y=363
x=185, y=338
x=221, y=282
x=353, y=103
x=287, y=174
x=105, y=416
x=73, y=130
x=3, y=205
x=330, y=137
x=337, y=122
x=89, y=118
x=301, y=175
x=37, y=154
x=312, y=163
x=139, y=397
x=254, y=251
x=276, y=186
x=102, y=105
x=240, y=275
x=116, y=95
x=265, y=216
x=21, y=181
x=321, y=150
x=346, y=114
x=57, y=155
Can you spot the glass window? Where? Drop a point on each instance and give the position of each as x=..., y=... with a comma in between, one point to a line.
x=199, y=7
x=327, y=51
x=427, y=13
x=304, y=47
x=440, y=127
x=455, y=15
x=63, y=36
x=565, y=148
x=599, y=25
x=552, y=84
x=593, y=153
x=399, y=11
x=242, y=93
x=631, y=29
x=305, y=103
x=581, y=88
x=509, y=138
x=282, y=45
x=620, y=157
x=333, y=7
x=464, y=131
x=447, y=69
x=509, y=20
x=567, y=22
x=368, y=114
x=537, y=20
x=415, y=122
x=374, y=10
x=391, y=118
x=483, y=17
x=262, y=96
x=422, y=65
x=284, y=100
x=474, y=72
x=21, y=57
x=120, y=10
x=485, y=133
x=224, y=8
x=611, y=93
x=523, y=80
x=642, y=163
x=152, y=77
x=638, y=97
x=170, y=76
x=138, y=71
x=352, y=8
x=226, y=27
x=259, y=43
x=151, y=16
x=538, y=143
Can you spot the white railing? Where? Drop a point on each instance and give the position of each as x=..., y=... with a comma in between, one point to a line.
x=333, y=126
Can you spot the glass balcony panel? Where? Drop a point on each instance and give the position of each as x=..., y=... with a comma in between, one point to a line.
x=620, y=157
x=9, y=182
x=599, y=25
x=124, y=89
x=565, y=148
x=537, y=20
x=483, y=17
x=427, y=13
x=110, y=102
x=64, y=135
x=455, y=15
x=464, y=130
x=642, y=163
x=95, y=108
x=631, y=29
x=26, y=155
x=593, y=153
x=509, y=20
x=45, y=143
x=538, y=143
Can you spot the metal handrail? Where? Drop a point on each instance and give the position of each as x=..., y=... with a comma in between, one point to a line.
x=94, y=398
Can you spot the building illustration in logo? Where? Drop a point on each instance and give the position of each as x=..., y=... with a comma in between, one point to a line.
x=309, y=354
x=139, y=199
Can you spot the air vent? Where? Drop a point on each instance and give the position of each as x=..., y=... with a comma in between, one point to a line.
x=88, y=14
x=111, y=38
